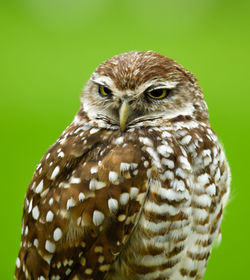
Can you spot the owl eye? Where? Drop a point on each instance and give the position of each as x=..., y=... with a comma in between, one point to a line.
x=104, y=91
x=157, y=93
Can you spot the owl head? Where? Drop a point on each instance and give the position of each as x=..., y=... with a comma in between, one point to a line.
x=141, y=89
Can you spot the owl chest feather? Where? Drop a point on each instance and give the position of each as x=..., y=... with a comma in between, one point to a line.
x=181, y=213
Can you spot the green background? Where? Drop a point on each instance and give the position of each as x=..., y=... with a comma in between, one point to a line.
x=49, y=48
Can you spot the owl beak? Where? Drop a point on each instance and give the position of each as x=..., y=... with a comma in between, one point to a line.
x=123, y=114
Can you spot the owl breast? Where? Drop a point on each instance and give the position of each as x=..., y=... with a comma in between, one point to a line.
x=181, y=208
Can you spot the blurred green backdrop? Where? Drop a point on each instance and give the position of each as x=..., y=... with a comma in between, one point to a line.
x=48, y=50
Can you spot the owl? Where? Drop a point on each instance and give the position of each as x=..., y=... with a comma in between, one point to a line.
x=135, y=186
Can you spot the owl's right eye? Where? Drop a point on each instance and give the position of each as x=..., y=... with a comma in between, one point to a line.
x=104, y=91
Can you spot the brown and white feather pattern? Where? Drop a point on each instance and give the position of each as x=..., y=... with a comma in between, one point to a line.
x=145, y=203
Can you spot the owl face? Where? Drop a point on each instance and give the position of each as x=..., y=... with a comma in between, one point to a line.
x=130, y=89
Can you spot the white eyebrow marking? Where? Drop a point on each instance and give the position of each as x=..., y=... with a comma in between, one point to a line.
x=164, y=84
x=154, y=84
x=102, y=80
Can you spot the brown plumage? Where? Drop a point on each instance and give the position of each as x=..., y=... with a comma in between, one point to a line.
x=135, y=187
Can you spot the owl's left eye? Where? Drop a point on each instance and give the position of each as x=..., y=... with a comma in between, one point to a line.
x=104, y=91
x=157, y=93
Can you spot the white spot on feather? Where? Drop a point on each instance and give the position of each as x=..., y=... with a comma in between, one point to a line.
x=185, y=140
x=44, y=193
x=169, y=175
x=93, y=169
x=57, y=235
x=93, y=130
x=178, y=185
x=165, y=150
x=121, y=218
x=185, y=163
x=75, y=180
x=67, y=272
x=215, y=151
x=124, y=166
x=164, y=208
x=119, y=140
x=92, y=184
x=26, y=230
x=30, y=205
x=133, y=192
x=49, y=216
x=203, y=179
x=200, y=214
x=113, y=177
x=35, y=242
x=55, y=172
x=50, y=246
x=166, y=134
x=133, y=165
x=169, y=163
x=135, y=172
x=70, y=203
x=33, y=185
x=181, y=173
x=203, y=200
x=211, y=189
x=154, y=155
x=124, y=197
x=96, y=185
x=217, y=175
x=98, y=217
x=39, y=188
x=81, y=196
x=80, y=222
x=18, y=263
x=61, y=154
x=35, y=212
x=146, y=141
x=51, y=201
x=113, y=205
x=38, y=166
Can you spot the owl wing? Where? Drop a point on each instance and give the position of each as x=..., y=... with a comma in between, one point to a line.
x=81, y=205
